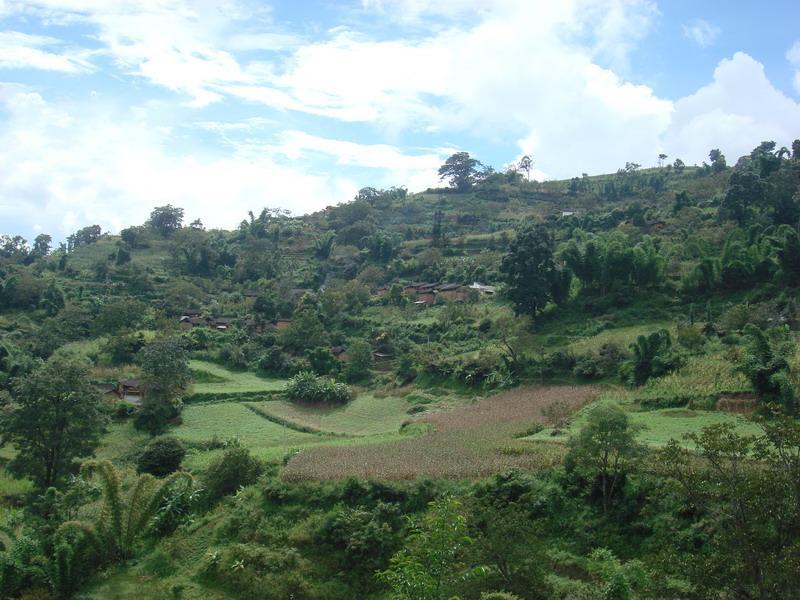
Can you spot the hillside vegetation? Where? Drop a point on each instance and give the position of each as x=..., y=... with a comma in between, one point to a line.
x=498, y=389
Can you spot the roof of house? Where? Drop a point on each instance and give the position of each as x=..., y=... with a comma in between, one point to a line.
x=449, y=287
x=338, y=349
x=130, y=382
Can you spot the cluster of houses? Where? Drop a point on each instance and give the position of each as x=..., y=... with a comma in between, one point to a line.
x=426, y=294
x=195, y=318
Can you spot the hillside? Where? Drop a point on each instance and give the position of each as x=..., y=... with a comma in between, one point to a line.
x=328, y=375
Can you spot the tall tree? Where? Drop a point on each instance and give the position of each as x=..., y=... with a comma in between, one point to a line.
x=165, y=377
x=166, y=219
x=42, y=243
x=53, y=418
x=525, y=165
x=461, y=170
x=717, y=159
x=605, y=449
x=530, y=272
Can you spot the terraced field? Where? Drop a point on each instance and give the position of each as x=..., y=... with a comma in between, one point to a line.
x=225, y=381
x=365, y=415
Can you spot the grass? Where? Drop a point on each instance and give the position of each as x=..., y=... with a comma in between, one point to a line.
x=232, y=419
x=122, y=443
x=11, y=486
x=365, y=415
x=225, y=381
x=657, y=426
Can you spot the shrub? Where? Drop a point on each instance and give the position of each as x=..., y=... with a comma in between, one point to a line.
x=653, y=356
x=307, y=387
x=161, y=457
x=690, y=337
x=234, y=469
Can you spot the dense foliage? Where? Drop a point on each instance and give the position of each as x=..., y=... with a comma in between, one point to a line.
x=674, y=288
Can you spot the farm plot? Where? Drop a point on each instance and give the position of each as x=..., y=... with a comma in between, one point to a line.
x=225, y=381
x=227, y=420
x=472, y=441
x=657, y=427
x=365, y=415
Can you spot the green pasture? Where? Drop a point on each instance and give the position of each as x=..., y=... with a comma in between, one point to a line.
x=656, y=427
x=225, y=381
x=365, y=415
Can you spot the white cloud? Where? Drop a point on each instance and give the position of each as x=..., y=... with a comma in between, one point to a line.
x=549, y=75
x=297, y=145
x=702, y=32
x=736, y=111
x=793, y=56
x=24, y=51
x=66, y=167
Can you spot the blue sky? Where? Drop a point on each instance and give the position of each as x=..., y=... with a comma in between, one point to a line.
x=108, y=108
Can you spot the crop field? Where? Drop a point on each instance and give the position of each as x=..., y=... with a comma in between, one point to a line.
x=226, y=420
x=621, y=336
x=701, y=377
x=365, y=415
x=471, y=441
x=225, y=381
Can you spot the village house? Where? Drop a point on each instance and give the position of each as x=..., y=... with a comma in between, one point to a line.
x=220, y=323
x=340, y=352
x=130, y=390
x=281, y=324
x=187, y=322
x=106, y=389
x=452, y=291
x=483, y=290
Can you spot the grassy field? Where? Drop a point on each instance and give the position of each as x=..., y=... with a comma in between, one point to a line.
x=226, y=420
x=121, y=442
x=365, y=415
x=657, y=426
x=225, y=381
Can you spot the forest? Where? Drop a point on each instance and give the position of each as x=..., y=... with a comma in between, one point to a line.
x=496, y=389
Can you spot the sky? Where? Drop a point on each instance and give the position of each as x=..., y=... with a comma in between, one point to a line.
x=109, y=108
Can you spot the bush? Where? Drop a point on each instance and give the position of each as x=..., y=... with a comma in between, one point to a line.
x=161, y=457
x=690, y=337
x=307, y=387
x=234, y=469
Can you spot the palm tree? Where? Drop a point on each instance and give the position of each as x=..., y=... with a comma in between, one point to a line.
x=121, y=522
x=323, y=245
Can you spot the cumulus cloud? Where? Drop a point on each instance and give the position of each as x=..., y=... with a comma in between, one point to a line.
x=736, y=111
x=66, y=167
x=701, y=32
x=551, y=77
